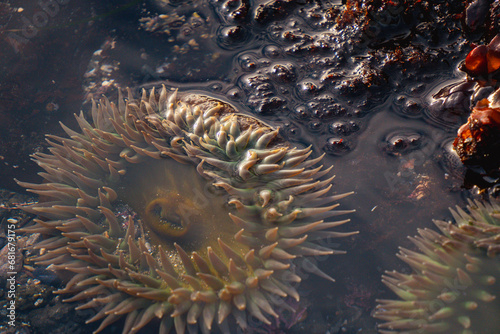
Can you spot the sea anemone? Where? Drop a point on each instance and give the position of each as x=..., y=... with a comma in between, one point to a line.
x=180, y=209
x=454, y=286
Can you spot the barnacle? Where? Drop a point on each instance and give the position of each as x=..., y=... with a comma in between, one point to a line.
x=180, y=210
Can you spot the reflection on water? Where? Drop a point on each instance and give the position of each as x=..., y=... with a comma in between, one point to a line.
x=368, y=107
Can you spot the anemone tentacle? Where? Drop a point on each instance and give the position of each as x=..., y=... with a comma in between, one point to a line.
x=179, y=209
x=455, y=284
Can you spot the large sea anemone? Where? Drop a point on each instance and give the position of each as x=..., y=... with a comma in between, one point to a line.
x=181, y=210
x=455, y=284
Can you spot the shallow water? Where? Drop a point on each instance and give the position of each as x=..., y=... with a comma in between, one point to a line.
x=383, y=143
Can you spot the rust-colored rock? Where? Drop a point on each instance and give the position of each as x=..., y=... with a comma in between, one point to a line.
x=475, y=62
x=478, y=141
x=483, y=59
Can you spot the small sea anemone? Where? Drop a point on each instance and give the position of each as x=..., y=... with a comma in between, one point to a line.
x=181, y=210
x=454, y=287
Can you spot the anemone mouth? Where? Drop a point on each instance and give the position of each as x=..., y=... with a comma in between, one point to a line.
x=167, y=216
x=221, y=207
x=177, y=205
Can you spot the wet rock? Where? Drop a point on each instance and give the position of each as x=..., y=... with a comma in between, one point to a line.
x=450, y=162
x=402, y=142
x=481, y=93
x=11, y=259
x=483, y=62
x=494, y=18
x=451, y=104
x=330, y=60
x=338, y=146
x=60, y=318
x=476, y=13
x=344, y=128
x=274, y=10
x=236, y=10
x=476, y=62
x=11, y=256
x=232, y=37
x=478, y=141
x=16, y=330
x=31, y=293
x=283, y=73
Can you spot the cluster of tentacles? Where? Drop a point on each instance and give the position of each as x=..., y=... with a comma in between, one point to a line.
x=455, y=284
x=180, y=210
